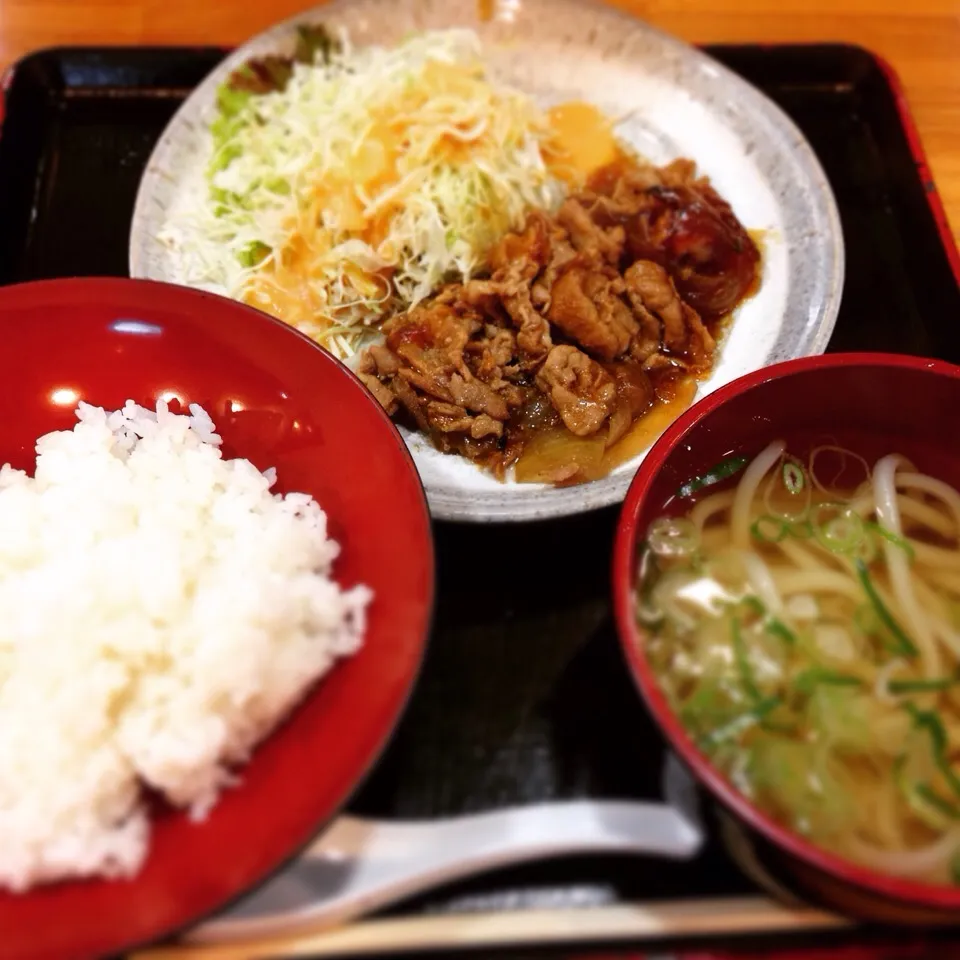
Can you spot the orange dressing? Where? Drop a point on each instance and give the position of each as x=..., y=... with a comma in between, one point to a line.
x=582, y=141
x=273, y=300
x=283, y=289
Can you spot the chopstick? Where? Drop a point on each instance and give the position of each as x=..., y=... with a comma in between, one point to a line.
x=521, y=927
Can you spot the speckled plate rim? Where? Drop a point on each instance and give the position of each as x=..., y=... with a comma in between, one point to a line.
x=811, y=245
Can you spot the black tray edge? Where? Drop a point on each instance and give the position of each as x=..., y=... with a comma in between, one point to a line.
x=915, y=142
x=39, y=57
x=42, y=58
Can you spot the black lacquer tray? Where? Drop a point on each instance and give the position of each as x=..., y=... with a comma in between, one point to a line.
x=523, y=697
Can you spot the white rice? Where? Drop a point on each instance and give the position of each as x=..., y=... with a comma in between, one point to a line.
x=160, y=613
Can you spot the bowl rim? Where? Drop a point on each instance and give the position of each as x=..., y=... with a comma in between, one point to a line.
x=64, y=291
x=450, y=499
x=631, y=640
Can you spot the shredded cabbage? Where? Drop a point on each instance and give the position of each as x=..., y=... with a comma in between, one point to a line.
x=373, y=176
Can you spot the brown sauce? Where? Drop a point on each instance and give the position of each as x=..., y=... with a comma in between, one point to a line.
x=646, y=430
x=554, y=447
x=587, y=339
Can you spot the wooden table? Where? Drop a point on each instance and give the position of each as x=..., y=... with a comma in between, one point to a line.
x=920, y=38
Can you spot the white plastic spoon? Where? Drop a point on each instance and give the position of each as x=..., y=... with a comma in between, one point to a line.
x=358, y=866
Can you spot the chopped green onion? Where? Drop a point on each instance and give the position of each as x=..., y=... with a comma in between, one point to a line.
x=903, y=643
x=768, y=529
x=929, y=721
x=722, y=471
x=809, y=679
x=742, y=660
x=938, y=803
x=921, y=686
x=866, y=550
x=842, y=533
x=802, y=530
x=709, y=708
x=741, y=723
x=922, y=799
x=754, y=605
x=891, y=537
x=778, y=628
x=705, y=700
x=793, y=478
x=771, y=625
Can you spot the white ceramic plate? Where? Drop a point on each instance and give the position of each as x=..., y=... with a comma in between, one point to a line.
x=679, y=102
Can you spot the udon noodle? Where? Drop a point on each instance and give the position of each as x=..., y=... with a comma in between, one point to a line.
x=806, y=630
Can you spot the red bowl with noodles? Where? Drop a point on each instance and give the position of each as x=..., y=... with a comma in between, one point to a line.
x=279, y=401
x=792, y=632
